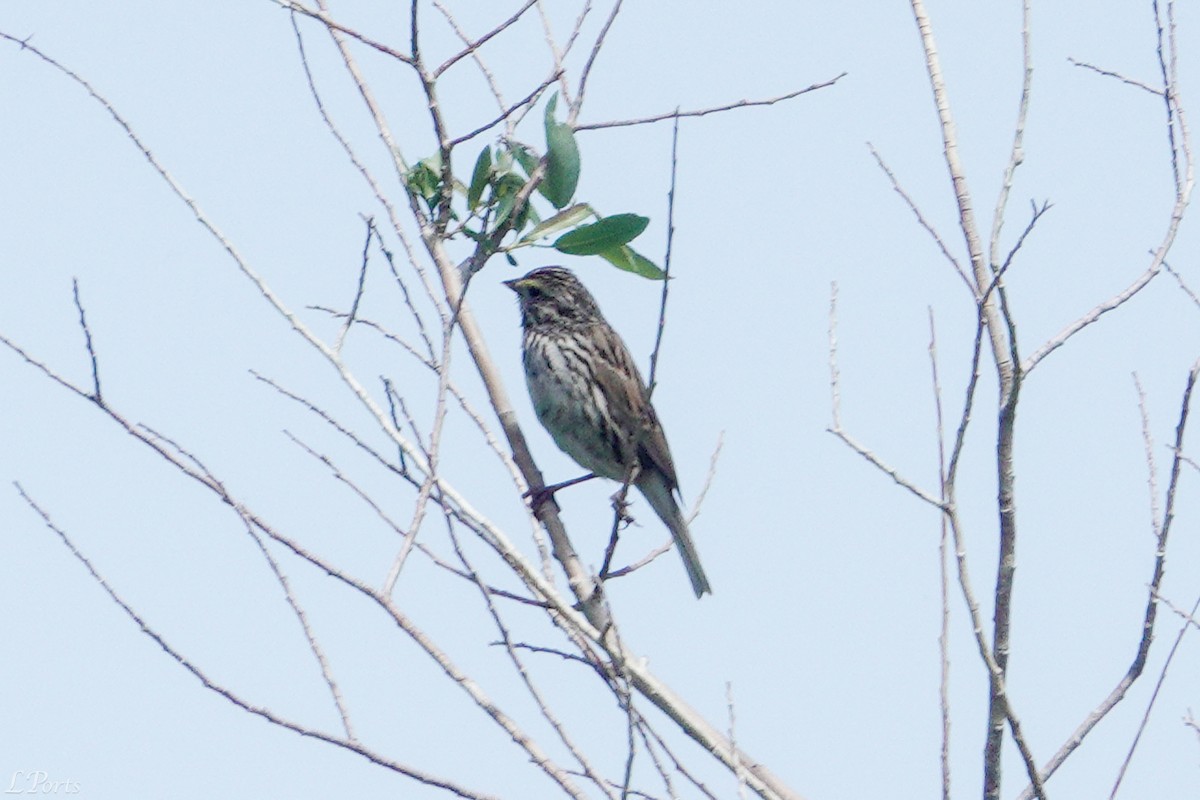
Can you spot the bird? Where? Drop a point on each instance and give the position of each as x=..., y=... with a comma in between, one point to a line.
x=590, y=397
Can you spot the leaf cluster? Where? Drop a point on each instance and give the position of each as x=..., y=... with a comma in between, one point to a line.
x=498, y=203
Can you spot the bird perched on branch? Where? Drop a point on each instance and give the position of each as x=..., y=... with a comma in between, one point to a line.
x=590, y=397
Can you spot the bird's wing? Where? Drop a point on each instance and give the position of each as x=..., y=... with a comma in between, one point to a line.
x=622, y=386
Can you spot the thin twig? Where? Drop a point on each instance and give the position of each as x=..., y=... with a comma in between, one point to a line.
x=228, y=694
x=709, y=477
x=1113, y=303
x=359, y=288
x=921, y=220
x=835, y=426
x=835, y=398
x=1162, y=528
x=490, y=78
x=586, y=72
x=1158, y=684
x=556, y=54
x=1148, y=445
x=1182, y=285
x=676, y=114
x=87, y=337
x=731, y=710
x=1109, y=74
x=666, y=282
x=322, y=16
x=526, y=679
x=943, y=567
x=474, y=45
x=1182, y=165
x=1017, y=154
x=997, y=279
x=506, y=113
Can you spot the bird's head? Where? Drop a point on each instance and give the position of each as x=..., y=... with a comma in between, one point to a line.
x=554, y=296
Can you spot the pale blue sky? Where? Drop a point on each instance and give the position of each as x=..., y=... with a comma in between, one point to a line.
x=825, y=614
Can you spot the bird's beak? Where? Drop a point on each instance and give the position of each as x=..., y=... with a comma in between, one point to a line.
x=512, y=284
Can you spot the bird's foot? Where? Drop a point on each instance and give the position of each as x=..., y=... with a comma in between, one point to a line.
x=539, y=496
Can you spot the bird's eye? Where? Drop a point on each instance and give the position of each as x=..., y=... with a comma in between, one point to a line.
x=535, y=292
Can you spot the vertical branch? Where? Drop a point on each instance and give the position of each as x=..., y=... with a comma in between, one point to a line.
x=943, y=567
x=1001, y=338
x=662, y=306
x=1017, y=157
x=583, y=586
x=1005, y=572
x=1167, y=69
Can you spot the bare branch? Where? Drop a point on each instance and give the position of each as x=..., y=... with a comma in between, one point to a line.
x=1038, y=212
x=539, y=700
x=1117, y=75
x=1114, y=302
x=1182, y=285
x=836, y=426
x=367, y=176
x=577, y=104
x=1163, y=529
x=556, y=54
x=1179, y=140
x=1148, y=444
x=709, y=477
x=506, y=113
x=473, y=46
x=87, y=336
x=322, y=16
x=835, y=397
x=921, y=220
x=885, y=468
x=676, y=114
x=358, y=291
x=1167, y=62
x=731, y=709
x=666, y=282
x=998, y=325
x=1017, y=155
x=270, y=716
x=943, y=567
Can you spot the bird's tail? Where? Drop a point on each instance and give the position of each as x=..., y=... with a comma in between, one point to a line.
x=663, y=502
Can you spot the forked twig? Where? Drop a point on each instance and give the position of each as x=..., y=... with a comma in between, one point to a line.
x=346, y=743
x=835, y=426
x=1162, y=528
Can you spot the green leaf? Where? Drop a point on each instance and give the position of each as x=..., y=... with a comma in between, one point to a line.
x=425, y=180
x=628, y=259
x=562, y=160
x=504, y=161
x=567, y=218
x=506, y=189
x=530, y=215
x=479, y=178
x=608, y=233
x=525, y=157
x=504, y=207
